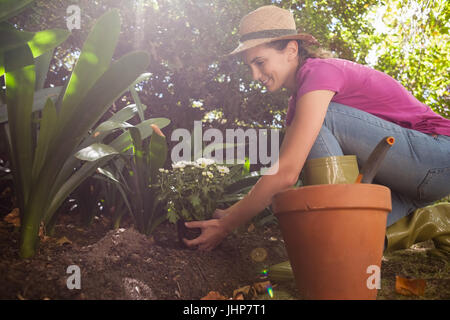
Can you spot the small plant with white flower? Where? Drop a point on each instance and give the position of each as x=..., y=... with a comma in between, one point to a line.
x=192, y=188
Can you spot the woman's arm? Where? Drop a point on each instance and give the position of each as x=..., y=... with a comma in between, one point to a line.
x=298, y=141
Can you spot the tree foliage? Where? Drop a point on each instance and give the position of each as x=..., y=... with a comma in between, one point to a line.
x=187, y=40
x=413, y=44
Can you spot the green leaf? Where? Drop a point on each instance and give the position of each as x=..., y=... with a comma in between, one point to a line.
x=92, y=64
x=172, y=216
x=157, y=155
x=142, y=77
x=105, y=129
x=42, y=64
x=20, y=83
x=18, y=58
x=242, y=183
x=124, y=197
x=185, y=214
x=123, y=142
x=151, y=227
x=13, y=38
x=2, y=64
x=71, y=184
x=95, y=152
x=137, y=141
x=11, y=8
x=141, y=171
x=246, y=168
x=195, y=200
x=47, y=129
x=109, y=126
x=2, y=97
x=39, y=42
x=126, y=113
x=139, y=104
x=100, y=97
x=41, y=96
x=39, y=100
x=120, y=143
x=108, y=174
x=47, y=40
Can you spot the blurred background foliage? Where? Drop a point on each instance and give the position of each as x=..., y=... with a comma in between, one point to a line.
x=191, y=80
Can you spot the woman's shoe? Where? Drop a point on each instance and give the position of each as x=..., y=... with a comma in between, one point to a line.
x=428, y=223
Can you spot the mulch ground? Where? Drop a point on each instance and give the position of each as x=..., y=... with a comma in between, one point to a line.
x=124, y=264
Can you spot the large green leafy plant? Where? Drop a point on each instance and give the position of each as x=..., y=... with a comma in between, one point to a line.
x=148, y=156
x=137, y=155
x=134, y=172
x=102, y=147
x=42, y=156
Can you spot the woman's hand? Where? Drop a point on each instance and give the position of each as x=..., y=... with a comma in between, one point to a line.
x=213, y=232
x=219, y=213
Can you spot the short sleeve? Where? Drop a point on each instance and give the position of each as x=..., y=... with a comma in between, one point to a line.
x=320, y=76
x=317, y=74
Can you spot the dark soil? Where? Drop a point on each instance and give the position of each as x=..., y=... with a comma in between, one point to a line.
x=124, y=264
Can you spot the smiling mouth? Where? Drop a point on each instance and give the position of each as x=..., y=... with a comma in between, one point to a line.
x=265, y=82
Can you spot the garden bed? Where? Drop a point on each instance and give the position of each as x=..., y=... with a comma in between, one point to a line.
x=114, y=262
x=124, y=264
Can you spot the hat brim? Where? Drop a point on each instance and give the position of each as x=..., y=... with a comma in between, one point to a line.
x=307, y=38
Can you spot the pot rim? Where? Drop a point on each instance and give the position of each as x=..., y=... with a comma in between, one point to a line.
x=332, y=197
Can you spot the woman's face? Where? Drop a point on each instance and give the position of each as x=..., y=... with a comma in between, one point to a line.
x=273, y=68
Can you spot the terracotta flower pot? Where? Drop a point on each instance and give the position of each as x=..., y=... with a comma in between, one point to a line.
x=333, y=233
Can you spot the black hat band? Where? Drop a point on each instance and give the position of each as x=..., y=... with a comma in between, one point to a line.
x=273, y=33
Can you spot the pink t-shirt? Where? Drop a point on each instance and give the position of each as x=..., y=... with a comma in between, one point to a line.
x=367, y=89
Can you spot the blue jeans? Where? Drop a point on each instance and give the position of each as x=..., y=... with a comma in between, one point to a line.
x=416, y=168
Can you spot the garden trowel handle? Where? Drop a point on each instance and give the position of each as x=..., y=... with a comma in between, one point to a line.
x=370, y=168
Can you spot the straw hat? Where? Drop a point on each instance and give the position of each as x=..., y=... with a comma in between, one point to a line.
x=266, y=24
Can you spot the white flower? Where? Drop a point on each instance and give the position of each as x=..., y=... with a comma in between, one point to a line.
x=166, y=171
x=161, y=169
x=203, y=173
x=178, y=165
x=204, y=162
x=223, y=169
x=209, y=173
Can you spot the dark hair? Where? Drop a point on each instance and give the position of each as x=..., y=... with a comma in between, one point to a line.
x=304, y=52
